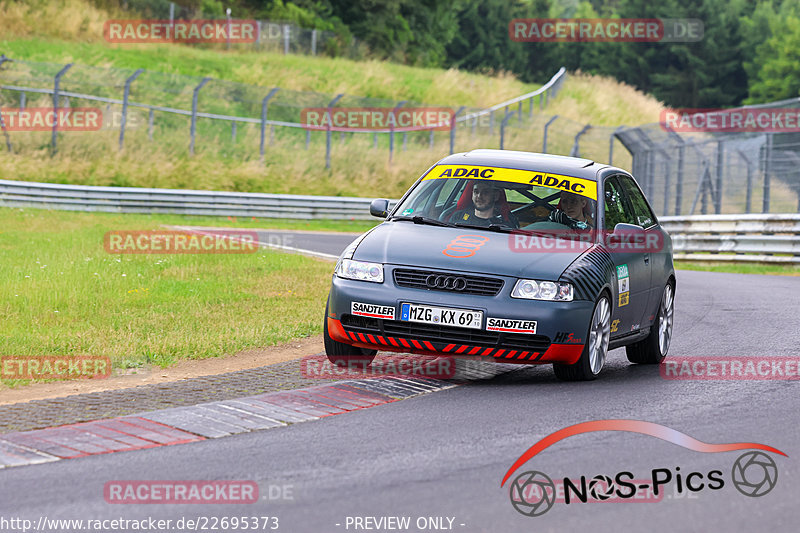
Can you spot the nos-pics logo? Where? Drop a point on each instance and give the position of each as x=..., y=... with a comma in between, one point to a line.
x=533, y=493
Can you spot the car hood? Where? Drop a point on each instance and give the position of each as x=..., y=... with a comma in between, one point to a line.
x=487, y=252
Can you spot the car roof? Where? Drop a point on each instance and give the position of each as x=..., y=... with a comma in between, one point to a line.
x=554, y=164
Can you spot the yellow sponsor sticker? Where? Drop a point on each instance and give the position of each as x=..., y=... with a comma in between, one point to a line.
x=587, y=188
x=623, y=299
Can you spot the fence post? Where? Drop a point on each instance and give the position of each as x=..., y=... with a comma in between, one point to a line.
x=125, y=95
x=667, y=181
x=767, y=170
x=430, y=141
x=195, y=94
x=55, y=105
x=3, y=59
x=503, y=124
x=228, y=36
x=172, y=14
x=150, y=125
x=22, y=99
x=546, y=126
x=264, y=108
x=233, y=131
x=611, y=144
x=575, y=152
x=519, y=113
x=375, y=140
x=720, y=163
x=748, y=201
x=391, y=129
x=285, y=39
x=308, y=138
x=530, y=107
x=328, y=132
x=491, y=122
x=453, y=128
x=314, y=42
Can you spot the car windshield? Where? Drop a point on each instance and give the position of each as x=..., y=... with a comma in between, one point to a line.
x=527, y=200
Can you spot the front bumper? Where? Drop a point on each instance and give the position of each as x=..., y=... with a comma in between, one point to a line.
x=560, y=332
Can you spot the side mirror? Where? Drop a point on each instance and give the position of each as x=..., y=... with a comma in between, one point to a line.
x=379, y=208
x=630, y=229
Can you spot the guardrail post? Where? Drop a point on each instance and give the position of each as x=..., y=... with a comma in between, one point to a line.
x=391, y=129
x=285, y=39
x=264, y=109
x=503, y=124
x=195, y=94
x=767, y=170
x=546, y=127
x=453, y=129
x=55, y=105
x=575, y=152
x=125, y=95
x=314, y=42
x=328, y=132
x=720, y=164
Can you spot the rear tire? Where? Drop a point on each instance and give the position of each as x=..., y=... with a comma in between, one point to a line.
x=653, y=349
x=344, y=355
x=595, y=350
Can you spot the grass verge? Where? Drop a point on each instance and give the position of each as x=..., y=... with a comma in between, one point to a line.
x=739, y=268
x=62, y=294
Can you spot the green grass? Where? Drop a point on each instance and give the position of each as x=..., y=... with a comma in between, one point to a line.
x=740, y=268
x=62, y=294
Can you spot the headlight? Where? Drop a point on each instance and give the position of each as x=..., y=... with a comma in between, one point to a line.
x=530, y=289
x=360, y=270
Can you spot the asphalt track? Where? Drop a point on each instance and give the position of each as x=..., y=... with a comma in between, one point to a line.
x=444, y=454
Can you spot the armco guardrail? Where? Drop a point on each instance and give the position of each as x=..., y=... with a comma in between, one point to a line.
x=737, y=238
x=180, y=201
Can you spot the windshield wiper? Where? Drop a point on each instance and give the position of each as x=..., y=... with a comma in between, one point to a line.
x=499, y=228
x=424, y=220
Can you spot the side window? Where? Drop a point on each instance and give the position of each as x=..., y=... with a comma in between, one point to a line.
x=616, y=209
x=644, y=216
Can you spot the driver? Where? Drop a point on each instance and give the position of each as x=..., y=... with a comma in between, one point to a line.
x=485, y=209
x=573, y=211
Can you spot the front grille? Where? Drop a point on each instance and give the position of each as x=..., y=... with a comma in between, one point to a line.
x=443, y=335
x=477, y=285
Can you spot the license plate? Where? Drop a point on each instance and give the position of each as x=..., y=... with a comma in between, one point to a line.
x=462, y=318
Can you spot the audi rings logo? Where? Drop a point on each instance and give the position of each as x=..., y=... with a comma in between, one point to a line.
x=447, y=283
x=464, y=246
x=533, y=493
x=754, y=474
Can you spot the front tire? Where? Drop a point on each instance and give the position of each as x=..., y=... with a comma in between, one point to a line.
x=344, y=355
x=653, y=349
x=595, y=351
